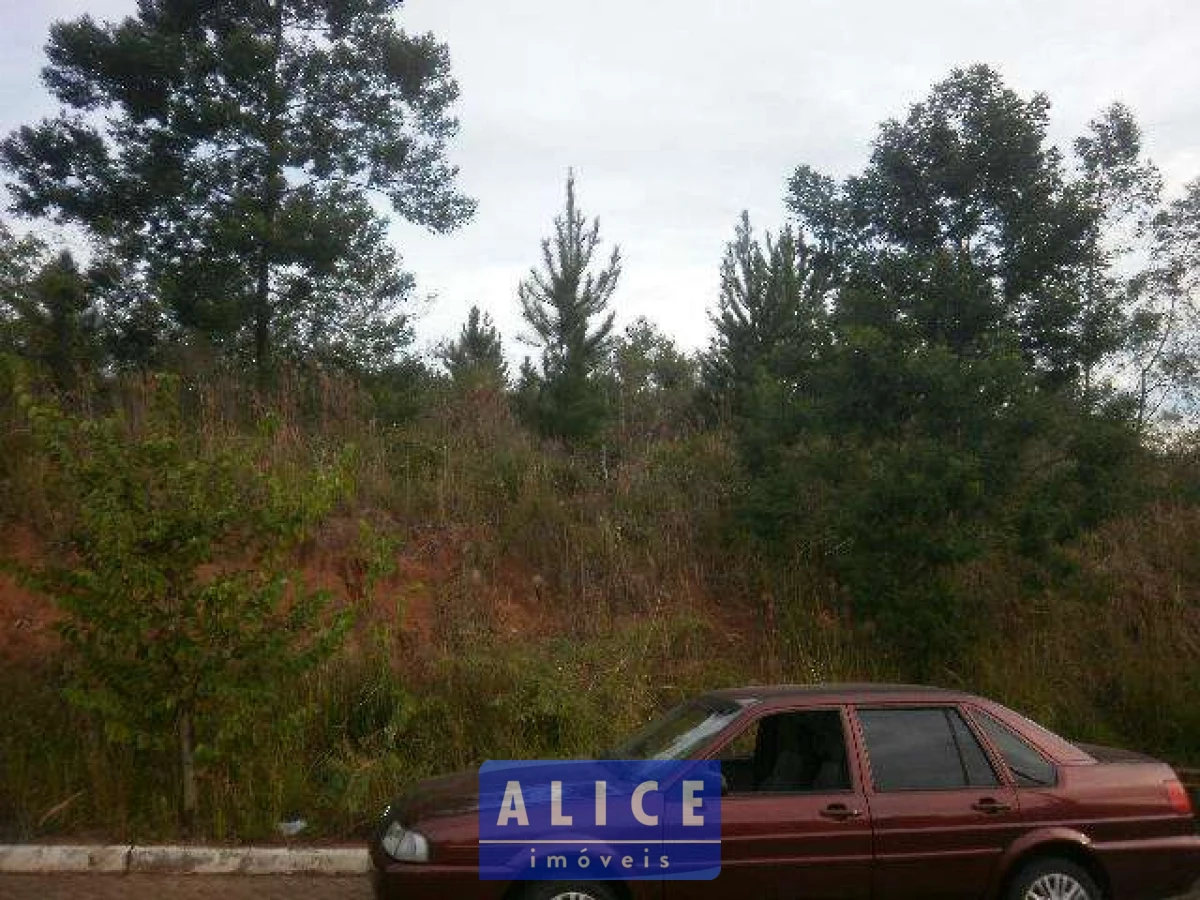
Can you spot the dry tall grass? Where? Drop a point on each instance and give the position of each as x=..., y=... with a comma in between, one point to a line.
x=514, y=600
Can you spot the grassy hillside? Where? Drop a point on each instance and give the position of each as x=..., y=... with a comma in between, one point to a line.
x=511, y=598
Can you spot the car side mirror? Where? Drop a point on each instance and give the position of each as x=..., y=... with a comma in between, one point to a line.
x=724, y=785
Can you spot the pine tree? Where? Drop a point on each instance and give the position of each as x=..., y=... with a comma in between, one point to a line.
x=476, y=357
x=566, y=305
x=770, y=319
x=227, y=152
x=20, y=260
x=61, y=326
x=47, y=310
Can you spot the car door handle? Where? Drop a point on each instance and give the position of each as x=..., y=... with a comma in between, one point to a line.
x=840, y=812
x=990, y=806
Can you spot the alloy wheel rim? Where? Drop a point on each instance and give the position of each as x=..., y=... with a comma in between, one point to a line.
x=1057, y=886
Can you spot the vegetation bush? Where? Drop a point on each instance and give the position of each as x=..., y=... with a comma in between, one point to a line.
x=563, y=606
x=285, y=567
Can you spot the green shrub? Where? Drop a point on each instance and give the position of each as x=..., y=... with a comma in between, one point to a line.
x=182, y=622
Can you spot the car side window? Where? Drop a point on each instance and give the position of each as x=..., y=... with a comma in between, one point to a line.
x=1027, y=765
x=923, y=749
x=794, y=752
x=977, y=768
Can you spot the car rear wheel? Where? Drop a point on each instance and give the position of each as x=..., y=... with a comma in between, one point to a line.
x=1054, y=879
x=569, y=890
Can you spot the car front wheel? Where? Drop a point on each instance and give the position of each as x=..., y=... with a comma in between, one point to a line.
x=569, y=890
x=1054, y=879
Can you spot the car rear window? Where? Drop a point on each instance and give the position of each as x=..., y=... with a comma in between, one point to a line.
x=1029, y=768
x=923, y=749
x=1046, y=742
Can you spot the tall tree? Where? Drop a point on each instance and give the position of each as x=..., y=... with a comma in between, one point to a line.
x=229, y=149
x=566, y=306
x=48, y=309
x=1123, y=301
x=771, y=317
x=1170, y=375
x=60, y=322
x=968, y=231
x=20, y=260
x=476, y=357
x=654, y=382
x=971, y=307
x=966, y=239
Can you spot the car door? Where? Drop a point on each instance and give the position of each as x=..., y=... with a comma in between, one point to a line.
x=941, y=814
x=794, y=822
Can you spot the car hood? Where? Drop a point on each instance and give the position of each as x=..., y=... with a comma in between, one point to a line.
x=447, y=795
x=458, y=794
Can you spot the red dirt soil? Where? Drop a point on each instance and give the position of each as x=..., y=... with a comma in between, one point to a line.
x=26, y=619
x=432, y=568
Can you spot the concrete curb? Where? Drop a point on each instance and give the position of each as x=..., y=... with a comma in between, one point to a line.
x=32, y=859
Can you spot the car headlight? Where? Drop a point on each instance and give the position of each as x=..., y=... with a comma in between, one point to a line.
x=405, y=845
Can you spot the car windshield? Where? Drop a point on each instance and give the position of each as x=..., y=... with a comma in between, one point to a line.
x=679, y=733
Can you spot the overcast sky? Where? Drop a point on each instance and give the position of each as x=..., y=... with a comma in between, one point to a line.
x=678, y=114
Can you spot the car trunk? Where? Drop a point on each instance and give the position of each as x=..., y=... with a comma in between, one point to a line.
x=1190, y=778
x=1115, y=754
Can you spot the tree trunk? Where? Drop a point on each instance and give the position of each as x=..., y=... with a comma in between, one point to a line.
x=187, y=769
x=262, y=316
x=271, y=199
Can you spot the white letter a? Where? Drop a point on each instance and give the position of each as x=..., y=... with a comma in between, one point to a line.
x=513, y=806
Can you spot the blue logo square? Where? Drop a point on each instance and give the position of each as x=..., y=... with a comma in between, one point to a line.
x=599, y=820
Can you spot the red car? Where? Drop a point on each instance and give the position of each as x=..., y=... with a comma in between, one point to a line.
x=841, y=792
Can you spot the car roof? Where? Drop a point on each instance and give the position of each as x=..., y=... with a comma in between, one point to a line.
x=851, y=692
x=782, y=696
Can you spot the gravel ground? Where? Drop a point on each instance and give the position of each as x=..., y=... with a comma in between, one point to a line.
x=185, y=887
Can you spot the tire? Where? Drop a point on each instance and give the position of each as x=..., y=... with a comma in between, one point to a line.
x=1053, y=879
x=568, y=890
